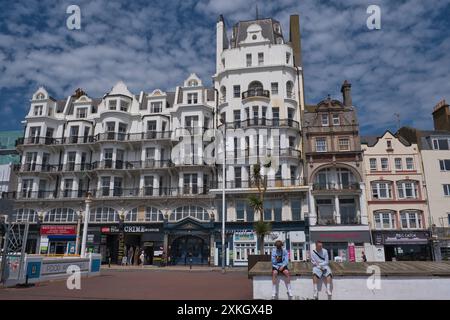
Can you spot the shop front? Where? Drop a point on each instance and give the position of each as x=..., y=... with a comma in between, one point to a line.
x=404, y=245
x=189, y=242
x=242, y=241
x=342, y=245
x=124, y=245
x=58, y=239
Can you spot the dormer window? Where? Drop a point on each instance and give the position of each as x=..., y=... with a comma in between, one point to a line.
x=124, y=105
x=156, y=107
x=38, y=110
x=81, y=113
x=192, y=98
x=112, y=105
x=40, y=96
x=194, y=83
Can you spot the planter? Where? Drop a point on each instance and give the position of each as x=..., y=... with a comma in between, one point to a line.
x=254, y=258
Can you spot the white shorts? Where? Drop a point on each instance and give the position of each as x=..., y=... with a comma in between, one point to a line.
x=321, y=272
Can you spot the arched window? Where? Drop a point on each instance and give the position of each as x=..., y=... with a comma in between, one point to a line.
x=61, y=215
x=411, y=219
x=104, y=214
x=40, y=96
x=153, y=214
x=335, y=179
x=381, y=189
x=408, y=189
x=132, y=215
x=189, y=211
x=290, y=89
x=223, y=94
x=255, y=85
x=24, y=215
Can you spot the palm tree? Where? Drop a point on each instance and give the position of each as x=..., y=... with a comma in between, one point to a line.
x=256, y=202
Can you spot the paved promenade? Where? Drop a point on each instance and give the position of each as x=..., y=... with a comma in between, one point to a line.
x=178, y=283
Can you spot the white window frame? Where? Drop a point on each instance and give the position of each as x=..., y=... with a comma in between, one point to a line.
x=402, y=187
x=398, y=163
x=376, y=188
x=418, y=219
x=379, y=218
x=372, y=162
x=324, y=120
x=321, y=147
x=411, y=163
x=387, y=164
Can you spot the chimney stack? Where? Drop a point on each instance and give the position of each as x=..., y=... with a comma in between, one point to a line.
x=294, y=38
x=346, y=90
x=441, y=116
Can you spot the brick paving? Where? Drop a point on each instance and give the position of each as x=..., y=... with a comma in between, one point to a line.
x=144, y=283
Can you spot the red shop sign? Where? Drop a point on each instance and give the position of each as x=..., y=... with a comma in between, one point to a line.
x=59, y=230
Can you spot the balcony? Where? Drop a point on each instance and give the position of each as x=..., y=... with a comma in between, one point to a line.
x=271, y=183
x=336, y=187
x=131, y=165
x=258, y=92
x=328, y=221
x=49, y=195
x=150, y=192
x=262, y=122
x=52, y=168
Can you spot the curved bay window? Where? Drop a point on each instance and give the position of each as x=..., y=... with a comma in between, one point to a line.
x=189, y=211
x=407, y=189
x=411, y=219
x=384, y=219
x=154, y=215
x=381, y=190
x=61, y=215
x=104, y=214
x=24, y=215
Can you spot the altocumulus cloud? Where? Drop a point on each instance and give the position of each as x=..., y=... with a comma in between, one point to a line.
x=403, y=68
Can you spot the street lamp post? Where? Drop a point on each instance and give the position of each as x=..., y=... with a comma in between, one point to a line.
x=88, y=202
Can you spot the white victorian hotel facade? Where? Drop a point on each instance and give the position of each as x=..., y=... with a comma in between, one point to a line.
x=124, y=150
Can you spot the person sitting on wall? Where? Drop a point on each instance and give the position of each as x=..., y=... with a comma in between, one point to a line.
x=280, y=265
x=321, y=268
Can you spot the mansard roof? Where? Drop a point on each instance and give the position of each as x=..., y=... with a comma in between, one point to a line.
x=271, y=30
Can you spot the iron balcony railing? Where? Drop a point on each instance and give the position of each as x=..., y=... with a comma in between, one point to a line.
x=97, y=165
x=256, y=93
x=271, y=183
x=344, y=221
x=262, y=122
x=108, y=193
x=108, y=136
x=150, y=191
x=336, y=186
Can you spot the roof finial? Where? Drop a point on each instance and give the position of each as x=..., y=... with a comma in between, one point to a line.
x=257, y=13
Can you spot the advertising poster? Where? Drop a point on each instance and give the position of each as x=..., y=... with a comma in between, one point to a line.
x=351, y=252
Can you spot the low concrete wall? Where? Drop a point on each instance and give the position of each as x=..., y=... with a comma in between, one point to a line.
x=355, y=288
x=356, y=281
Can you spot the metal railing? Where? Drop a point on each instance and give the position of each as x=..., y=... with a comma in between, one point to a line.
x=256, y=93
x=249, y=184
x=108, y=193
x=335, y=186
x=262, y=122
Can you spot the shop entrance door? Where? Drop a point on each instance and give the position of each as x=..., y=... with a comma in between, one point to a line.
x=185, y=248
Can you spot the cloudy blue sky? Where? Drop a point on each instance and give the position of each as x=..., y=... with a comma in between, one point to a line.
x=403, y=68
